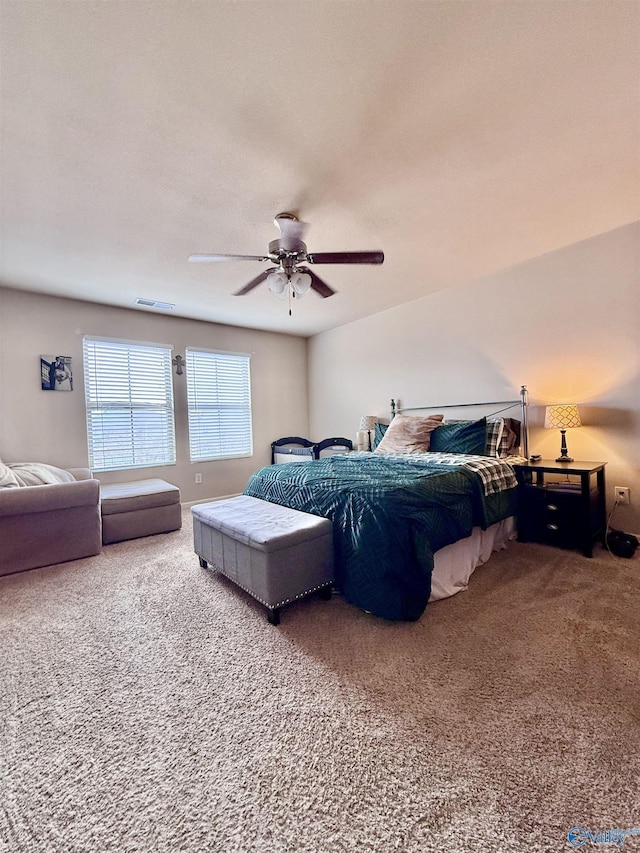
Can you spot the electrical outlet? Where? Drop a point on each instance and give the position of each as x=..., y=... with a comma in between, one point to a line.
x=198, y=478
x=622, y=494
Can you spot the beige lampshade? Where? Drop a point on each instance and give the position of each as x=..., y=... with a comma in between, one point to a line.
x=566, y=416
x=368, y=422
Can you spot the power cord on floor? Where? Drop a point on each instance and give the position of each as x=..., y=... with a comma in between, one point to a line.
x=608, y=529
x=619, y=544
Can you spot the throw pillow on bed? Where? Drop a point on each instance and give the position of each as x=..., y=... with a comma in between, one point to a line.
x=470, y=438
x=409, y=434
x=503, y=436
x=495, y=431
x=510, y=439
x=380, y=430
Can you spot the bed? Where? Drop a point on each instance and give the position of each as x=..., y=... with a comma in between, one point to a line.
x=396, y=514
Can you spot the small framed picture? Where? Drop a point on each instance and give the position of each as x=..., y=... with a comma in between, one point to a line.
x=56, y=373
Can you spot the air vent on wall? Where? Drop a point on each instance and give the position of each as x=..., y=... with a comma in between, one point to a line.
x=153, y=303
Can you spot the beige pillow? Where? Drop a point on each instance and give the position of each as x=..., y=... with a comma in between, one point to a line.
x=409, y=434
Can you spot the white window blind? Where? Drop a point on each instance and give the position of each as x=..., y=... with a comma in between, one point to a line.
x=219, y=399
x=129, y=399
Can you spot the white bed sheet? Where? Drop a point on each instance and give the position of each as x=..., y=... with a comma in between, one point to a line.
x=454, y=565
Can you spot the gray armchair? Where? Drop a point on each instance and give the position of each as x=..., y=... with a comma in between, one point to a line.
x=42, y=525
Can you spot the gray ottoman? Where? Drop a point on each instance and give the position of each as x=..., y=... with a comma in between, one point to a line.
x=139, y=508
x=274, y=553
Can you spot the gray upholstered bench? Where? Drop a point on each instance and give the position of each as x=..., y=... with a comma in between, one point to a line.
x=274, y=553
x=139, y=508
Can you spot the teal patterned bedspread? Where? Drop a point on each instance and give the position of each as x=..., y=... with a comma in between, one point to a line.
x=389, y=517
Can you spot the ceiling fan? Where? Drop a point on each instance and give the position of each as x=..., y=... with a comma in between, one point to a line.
x=290, y=275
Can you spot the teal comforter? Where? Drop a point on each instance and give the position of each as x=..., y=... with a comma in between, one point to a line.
x=389, y=517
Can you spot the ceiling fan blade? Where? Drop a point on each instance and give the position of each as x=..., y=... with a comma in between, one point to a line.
x=317, y=283
x=214, y=258
x=254, y=282
x=345, y=257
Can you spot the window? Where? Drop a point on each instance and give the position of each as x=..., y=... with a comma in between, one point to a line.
x=219, y=398
x=129, y=398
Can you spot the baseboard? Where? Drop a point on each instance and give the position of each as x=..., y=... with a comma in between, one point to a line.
x=189, y=504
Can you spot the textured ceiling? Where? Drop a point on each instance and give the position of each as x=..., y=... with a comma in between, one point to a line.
x=459, y=137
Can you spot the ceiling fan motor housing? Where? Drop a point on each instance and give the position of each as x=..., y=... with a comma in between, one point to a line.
x=287, y=251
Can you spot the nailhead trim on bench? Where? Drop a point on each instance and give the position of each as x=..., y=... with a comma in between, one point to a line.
x=262, y=601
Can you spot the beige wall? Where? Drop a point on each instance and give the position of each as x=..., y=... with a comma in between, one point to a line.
x=566, y=324
x=36, y=425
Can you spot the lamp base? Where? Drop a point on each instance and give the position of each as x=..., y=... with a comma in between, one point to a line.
x=564, y=455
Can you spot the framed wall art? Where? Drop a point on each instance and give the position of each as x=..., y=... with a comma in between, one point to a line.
x=56, y=373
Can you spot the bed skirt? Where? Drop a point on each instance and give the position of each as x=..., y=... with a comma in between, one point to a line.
x=454, y=565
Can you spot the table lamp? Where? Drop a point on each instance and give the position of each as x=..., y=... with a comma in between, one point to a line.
x=562, y=417
x=367, y=423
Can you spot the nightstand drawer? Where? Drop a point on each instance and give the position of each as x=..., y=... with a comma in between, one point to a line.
x=559, y=531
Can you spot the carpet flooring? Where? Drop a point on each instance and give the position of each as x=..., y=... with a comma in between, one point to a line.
x=148, y=706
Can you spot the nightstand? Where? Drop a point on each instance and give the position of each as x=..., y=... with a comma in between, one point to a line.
x=562, y=503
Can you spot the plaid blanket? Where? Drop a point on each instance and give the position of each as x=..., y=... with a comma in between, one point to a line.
x=496, y=475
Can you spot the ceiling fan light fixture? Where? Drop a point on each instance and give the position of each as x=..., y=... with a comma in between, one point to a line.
x=301, y=283
x=277, y=282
